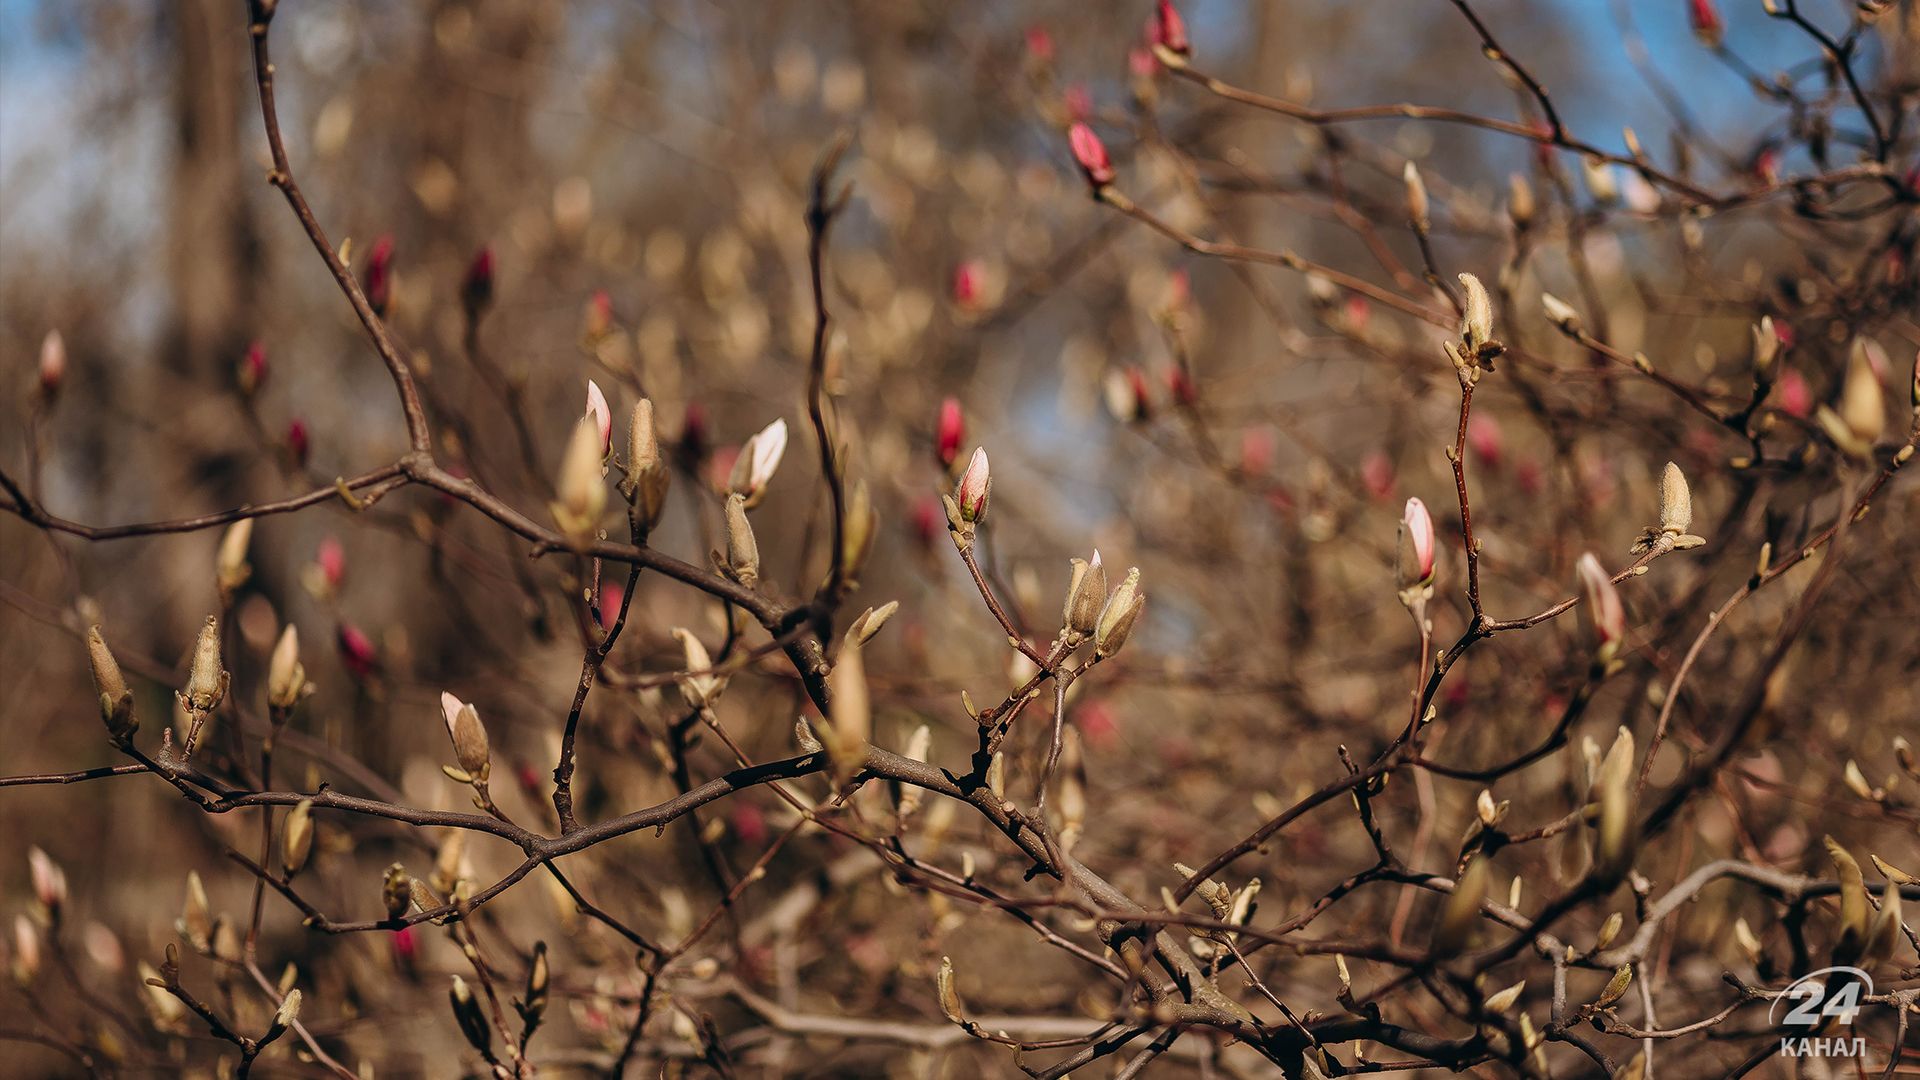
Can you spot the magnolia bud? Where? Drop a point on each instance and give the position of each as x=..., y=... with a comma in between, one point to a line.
x=207, y=681
x=949, y=997
x=970, y=494
x=286, y=678
x=861, y=525
x=49, y=882
x=759, y=456
x=699, y=685
x=742, y=559
x=468, y=734
x=847, y=737
x=196, y=914
x=1855, y=422
x=1086, y=594
x=473, y=1022
x=253, y=369
x=950, y=431
x=1520, y=202
x=582, y=490
x=476, y=289
x=296, y=843
x=53, y=363
x=1169, y=30
x=647, y=473
x=862, y=629
x=601, y=416
x=1416, y=546
x=1603, y=613
x=1705, y=20
x=1476, y=324
x=231, y=569
x=1884, y=934
x=1600, y=181
x=1676, y=503
x=396, y=891
x=1417, y=205
x=1560, y=313
x=1617, y=824
x=1854, y=909
x=287, y=1015
x=1766, y=349
x=1091, y=155
x=116, y=701
x=1117, y=617
x=539, y=977
x=1461, y=913
x=26, y=951
x=378, y=283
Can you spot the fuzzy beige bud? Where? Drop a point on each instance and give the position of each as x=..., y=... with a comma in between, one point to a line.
x=468, y=735
x=231, y=569
x=396, y=891
x=116, y=701
x=1476, y=321
x=647, y=476
x=1119, y=614
x=742, y=559
x=1460, y=915
x=862, y=629
x=207, y=680
x=852, y=719
x=296, y=841
x=1418, y=208
x=1086, y=595
x=1855, y=422
x=581, y=491
x=698, y=685
x=1676, y=501
x=1560, y=313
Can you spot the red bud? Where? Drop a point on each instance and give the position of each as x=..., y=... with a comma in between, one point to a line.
x=951, y=431
x=1091, y=155
x=378, y=284
x=476, y=291
x=1705, y=19
x=253, y=368
x=297, y=442
x=357, y=651
x=1169, y=30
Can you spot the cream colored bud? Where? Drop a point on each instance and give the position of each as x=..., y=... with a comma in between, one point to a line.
x=26, y=951
x=1520, y=202
x=698, y=685
x=231, y=569
x=862, y=525
x=207, y=681
x=196, y=915
x=1418, y=207
x=1854, y=909
x=581, y=490
x=49, y=882
x=288, y=1013
x=1618, y=824
x=754, y=467
x=1856, y=421
x=1560, y=313
x=949, y=997
x=296, y=841
x=1676, y=501
x=1117, y=617
x=742, y=561
x=1502, y=1001
x=1886, y=931
x=1600, y=180
x=1476, y=323
x=847, y=736
x=911, y=795
x=468, y=735
x=286, y=678
x=1766, y=349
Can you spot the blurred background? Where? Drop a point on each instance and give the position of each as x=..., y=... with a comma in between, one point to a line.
x=1245, y=435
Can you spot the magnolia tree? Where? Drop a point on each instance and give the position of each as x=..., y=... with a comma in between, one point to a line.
x=1524, y=691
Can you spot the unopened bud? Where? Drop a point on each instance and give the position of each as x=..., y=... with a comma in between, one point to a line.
x=1416, y=546
x=1091, y=155
x=1500, y=1002
x=1603, y=613
x=1766, y=350
x=699, y=686
x=950, y=432
x=396, y=891
x=378, y=282
x=858, y=533
x=1560, y=313
x=539, y=977
x=1117, y=617
x=196, y=915
x=949, y=997
x=1676, y=501
x=852, y=714
x=1461, y=912
x=49, y=882
x=476, y=289
x=469, y=736
x=647, y=477
x=231, y=569
x=53, y=363
x=1854, y=909
x=286, y=678
x=742, y=558
x=116, y=701
x=1600, y=181
x=1617, y=822
x=1086, y=594
x=1520, y=202
x=288, y=1014
x=1169, y=30
x=1855, y=422
x=1704, y=17
x=863, y=628
x=601, y=415
x=473, y=1021
x=581, y=491
x=207, y=681
x=296, y=843
x=26, y=951
x=970, y=494
x=1418, y=208
x=759, y=456
x=1476, y=323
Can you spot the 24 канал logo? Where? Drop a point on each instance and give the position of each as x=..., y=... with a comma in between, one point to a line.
x=1817, y=1006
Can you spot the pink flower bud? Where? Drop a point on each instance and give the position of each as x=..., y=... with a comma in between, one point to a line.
x=53, y=362
x=1705, y=20
x=611, y=594
x=1485, y=439
x=1794, y=395
x=599, y=315
x=1039, y=45
x=1376, y=474
x=332, y=559
x=952, y=429
x=1256, y=451
x=758, y=459
x=693, y=431
x=378, y=283
x=405, y=947
x=968, y=283
x=476, y=289
x=1180, y=387
x=1418, y=526
x=1141, y=64
x=601, y=416
x=298, y=443
x=1169, y=30
x=49, y=882
x=1078, y=103
x=1605, y=616
x=1766, y=165
x=356, y=651
x=1091, y=155
x=253, y=368
x=975, y=484
x=749, y=824
x=926, y=521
